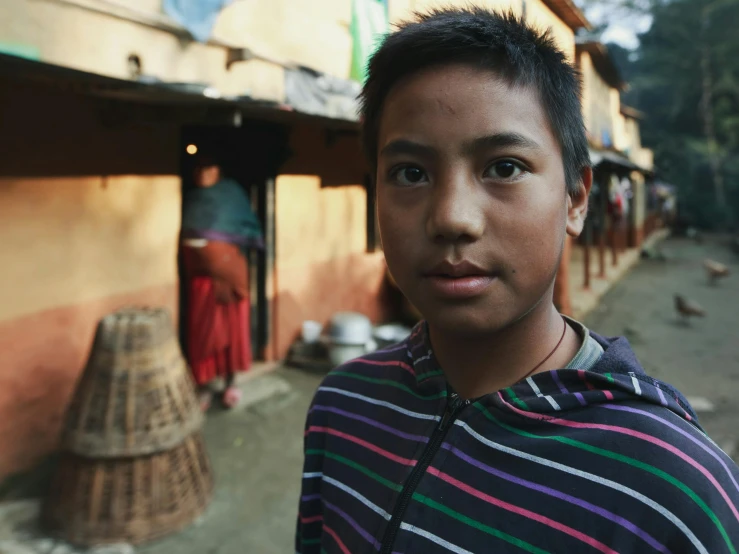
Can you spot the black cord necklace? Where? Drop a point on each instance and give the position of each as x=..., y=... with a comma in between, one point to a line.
x=541, y=363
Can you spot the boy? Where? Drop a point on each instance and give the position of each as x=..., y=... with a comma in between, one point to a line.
x=498, y=425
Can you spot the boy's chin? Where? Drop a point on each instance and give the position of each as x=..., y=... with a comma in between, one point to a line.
x=468, y=321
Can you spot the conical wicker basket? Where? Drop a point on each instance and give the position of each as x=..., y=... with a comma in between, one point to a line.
x=130, y=499
x=136, y=395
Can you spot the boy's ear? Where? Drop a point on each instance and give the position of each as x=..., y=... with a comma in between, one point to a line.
x=577, y=203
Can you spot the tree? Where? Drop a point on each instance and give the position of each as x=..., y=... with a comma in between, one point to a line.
x=602, y=12
x=685, y=77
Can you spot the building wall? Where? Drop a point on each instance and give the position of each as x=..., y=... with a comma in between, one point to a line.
x=539, y=14
x=625, y=137
x=598, y=103
x=322, y=265
x=633, y=134
x=620, y=137
x=74, y=249
x=644, y=157
x=72, y=240
x=314, y=33
x=310, y=32
x=77, y=243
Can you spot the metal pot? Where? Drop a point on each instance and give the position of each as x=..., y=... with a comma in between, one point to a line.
x=349, y=329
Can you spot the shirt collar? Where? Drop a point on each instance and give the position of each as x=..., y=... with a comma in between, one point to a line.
x=421, y=355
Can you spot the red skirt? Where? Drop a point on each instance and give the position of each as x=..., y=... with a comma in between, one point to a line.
x=218, y=340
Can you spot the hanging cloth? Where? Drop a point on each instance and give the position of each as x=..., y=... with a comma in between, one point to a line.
x=369, y=24
x=197, y=16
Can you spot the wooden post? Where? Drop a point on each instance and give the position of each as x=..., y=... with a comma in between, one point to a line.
x=602, y=231
x=562, y=299
x=268, y=276
x=612, y=241
x=588, y=239
x=623, y=236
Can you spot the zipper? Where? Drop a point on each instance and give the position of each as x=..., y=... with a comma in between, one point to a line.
x=454, y=405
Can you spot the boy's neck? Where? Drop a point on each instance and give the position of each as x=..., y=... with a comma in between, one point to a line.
x=481, y=365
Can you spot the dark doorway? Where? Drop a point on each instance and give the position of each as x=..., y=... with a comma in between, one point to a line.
x=251, y=155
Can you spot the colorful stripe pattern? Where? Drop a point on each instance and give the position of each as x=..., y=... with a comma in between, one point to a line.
x=607, y=460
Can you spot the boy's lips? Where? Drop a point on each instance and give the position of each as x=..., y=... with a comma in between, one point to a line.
x=458, y=280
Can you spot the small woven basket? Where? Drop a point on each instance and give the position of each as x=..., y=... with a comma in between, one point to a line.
x=136, y=395
x=132, y=500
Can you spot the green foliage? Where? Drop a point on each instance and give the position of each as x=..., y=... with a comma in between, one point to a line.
x=667, y=83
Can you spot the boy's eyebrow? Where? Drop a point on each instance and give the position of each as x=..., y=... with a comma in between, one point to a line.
x=404, y=146
x=498, y=140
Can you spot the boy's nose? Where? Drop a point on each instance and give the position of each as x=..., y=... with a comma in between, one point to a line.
x=456, y=211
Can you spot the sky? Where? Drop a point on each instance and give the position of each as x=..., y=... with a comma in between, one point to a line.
x=623, y=29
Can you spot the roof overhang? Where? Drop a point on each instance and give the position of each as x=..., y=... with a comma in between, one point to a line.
x=603, y=62
x=609, y=157
x=568, y=12
x=633, y=113
x=20, y=70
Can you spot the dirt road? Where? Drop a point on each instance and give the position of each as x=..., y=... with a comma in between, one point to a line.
x=701, y=359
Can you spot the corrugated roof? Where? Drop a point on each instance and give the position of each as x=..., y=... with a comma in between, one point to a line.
x=568, y=12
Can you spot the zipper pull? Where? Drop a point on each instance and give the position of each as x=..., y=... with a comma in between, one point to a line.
x=452, y=406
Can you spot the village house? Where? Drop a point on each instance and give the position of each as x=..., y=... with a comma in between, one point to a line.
x=100, y=103
x=621, y=165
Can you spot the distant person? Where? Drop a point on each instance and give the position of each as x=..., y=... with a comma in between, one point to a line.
x=218, y=228
x=498, y=426
x=669, y=210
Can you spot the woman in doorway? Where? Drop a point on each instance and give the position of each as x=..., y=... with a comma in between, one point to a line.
x=218, y=228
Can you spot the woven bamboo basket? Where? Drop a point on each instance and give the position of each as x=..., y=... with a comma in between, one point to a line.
x=136, y=395
x=131, y=500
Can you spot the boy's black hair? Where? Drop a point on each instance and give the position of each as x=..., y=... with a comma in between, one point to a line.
x=499, y=42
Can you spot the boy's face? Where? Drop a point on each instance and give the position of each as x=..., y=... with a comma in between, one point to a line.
x=471, y=196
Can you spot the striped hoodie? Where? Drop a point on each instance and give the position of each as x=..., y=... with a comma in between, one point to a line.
x=567, y=461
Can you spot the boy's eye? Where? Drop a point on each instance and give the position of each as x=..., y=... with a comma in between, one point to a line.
x=409, y=175
x=505, y=169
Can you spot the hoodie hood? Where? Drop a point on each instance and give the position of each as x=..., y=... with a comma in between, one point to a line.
x=617, y=378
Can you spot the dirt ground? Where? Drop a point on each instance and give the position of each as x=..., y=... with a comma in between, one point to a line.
x=256, y=450
x=701, y=359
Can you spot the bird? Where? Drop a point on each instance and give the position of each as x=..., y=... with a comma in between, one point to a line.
x=688, y=308
x=715, y=270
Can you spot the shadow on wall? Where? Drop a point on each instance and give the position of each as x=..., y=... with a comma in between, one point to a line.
x=82, y=135
x=335, y=157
